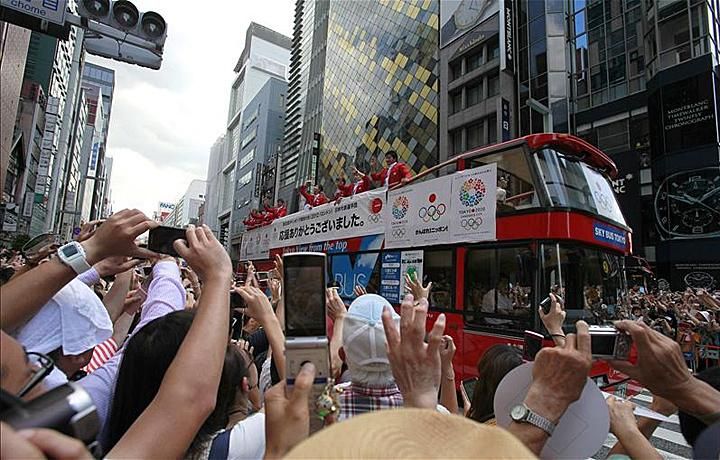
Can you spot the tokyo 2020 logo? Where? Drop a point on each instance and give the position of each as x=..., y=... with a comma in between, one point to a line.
x=472, y=192
x=400, y=207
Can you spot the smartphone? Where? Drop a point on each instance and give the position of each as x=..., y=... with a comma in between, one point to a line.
x=305, y=316
x=609, y=343
x=468, y=387
x=161, y=239
x=261, y=276
x=533, y=343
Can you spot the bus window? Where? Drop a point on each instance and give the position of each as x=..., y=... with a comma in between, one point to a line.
x=498, y=288
x=591, y=280
x=515, y=189
x=568, y=184
x=438, y=267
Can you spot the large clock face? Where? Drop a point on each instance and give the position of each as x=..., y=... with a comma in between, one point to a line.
x=687, y=205
x=699, y=280
x=469, y=11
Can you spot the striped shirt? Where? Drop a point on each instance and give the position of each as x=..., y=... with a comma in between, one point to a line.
x=101, y=354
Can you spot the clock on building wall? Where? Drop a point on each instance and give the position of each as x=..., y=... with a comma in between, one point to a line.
x=699, y=280
x=687, y=204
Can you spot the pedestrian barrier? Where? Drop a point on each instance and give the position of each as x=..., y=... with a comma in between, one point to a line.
x=709, y=355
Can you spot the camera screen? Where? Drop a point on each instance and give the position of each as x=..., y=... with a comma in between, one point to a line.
x=305, y=299
x=603, y=344
x=161, y=240
x=531, y=347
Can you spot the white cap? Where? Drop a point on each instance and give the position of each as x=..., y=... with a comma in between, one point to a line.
x=364, y=339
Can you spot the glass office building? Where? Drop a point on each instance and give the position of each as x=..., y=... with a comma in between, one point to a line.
x=364, y=81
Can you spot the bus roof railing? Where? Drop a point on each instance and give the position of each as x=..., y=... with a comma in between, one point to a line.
x=567, y=142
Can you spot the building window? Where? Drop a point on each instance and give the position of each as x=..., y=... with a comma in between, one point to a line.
x=493, y=48
x=474, y=93
x=439, y=267
x=493, y=85
x=249, y=138
x=456, y=101
x=474, y=61
x=475, y=135
x=456, y=141
x=244, y=180
x=455, y=69
x=492, y=129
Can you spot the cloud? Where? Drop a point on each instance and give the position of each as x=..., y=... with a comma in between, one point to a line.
x=164, y=122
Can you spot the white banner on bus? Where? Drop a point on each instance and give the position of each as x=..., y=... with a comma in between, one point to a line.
x=473, y=204
x=355, y=216
x=603, y=195
x=419, y=214
x=255, y=244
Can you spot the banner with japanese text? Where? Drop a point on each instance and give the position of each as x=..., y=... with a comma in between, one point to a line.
x=473, y=204
x=354, y=216
x=419, y=214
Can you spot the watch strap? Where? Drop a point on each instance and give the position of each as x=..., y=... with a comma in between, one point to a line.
x=539, y=421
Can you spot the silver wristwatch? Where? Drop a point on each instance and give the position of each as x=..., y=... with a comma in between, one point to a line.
x=523, y=414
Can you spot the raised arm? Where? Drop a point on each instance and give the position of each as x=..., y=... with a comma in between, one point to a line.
x=186, y=396
x=24, y=296
x=336, y=311
x=114, y=300
x=258, y=307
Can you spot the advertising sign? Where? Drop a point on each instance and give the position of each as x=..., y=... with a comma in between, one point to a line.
x=355, y=216
x=607, y=234
x=505, y=128
x=473, y=204
x=255, y=244
x=49, y=10
x=390, y=276
x=28, y=204
x=411, y=263
x=459, y=16
x=419, y=214
x=507, y=61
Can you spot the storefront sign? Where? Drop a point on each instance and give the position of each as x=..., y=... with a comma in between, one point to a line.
x=505, y=112
x=355, y=216
x=507, y=61
x=49, y=10
x=473, y=204
x=457, y=17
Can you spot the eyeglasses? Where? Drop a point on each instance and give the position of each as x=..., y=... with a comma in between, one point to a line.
x=43, y=365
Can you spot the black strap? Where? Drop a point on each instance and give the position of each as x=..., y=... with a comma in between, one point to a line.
x=220, y=446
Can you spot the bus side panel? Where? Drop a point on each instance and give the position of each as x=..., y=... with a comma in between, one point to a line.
x=473, y=347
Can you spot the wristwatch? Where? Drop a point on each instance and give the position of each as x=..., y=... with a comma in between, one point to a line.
x=522, y=414
x=72, y=254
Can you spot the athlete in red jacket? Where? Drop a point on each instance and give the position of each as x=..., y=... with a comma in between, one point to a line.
x=280, y=209
x=251, y=222
x=394, y=173
x=313, y=199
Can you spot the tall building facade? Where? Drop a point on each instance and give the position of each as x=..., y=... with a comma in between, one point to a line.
x=363, y=81
x=263, y=123
x=14, y=42
x=187, y=210
x=99, y=83
x=637, y=78
x=218, y=158
x=266, y=55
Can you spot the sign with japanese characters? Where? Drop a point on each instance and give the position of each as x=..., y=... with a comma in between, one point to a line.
x=355, y=216
x=419, y=214
x=473, y=204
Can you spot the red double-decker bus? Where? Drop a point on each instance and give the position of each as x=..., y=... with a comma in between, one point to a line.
x=558, y=225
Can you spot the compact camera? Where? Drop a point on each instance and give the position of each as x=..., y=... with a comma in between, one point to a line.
x=67, y=409
x=609, y=343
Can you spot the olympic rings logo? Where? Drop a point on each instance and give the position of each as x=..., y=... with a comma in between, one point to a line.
x=400, y=207
x=398, y=233
x=374, y=218
x=472, y=192
x=471, y=223
x=432, y=212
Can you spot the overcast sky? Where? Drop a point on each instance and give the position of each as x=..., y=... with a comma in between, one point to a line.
x=164, y=122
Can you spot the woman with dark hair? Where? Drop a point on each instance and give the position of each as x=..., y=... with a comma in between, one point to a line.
x=497, y=361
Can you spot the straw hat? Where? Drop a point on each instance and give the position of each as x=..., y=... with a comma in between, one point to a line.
x=411, y=433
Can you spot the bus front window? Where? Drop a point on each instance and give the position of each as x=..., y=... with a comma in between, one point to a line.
x=573, y=184
x=591, y=280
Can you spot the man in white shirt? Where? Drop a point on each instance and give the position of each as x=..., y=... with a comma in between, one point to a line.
x=498, y=297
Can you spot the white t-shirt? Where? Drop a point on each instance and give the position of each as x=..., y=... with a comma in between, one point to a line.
x=247, y=439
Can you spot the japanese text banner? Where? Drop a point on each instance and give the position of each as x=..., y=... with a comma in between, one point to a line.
x=355, y=216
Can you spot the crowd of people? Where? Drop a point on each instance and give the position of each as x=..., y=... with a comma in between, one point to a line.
x=266, y=216
x=174, y=368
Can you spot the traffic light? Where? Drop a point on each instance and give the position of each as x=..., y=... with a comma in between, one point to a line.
x=124, y=15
